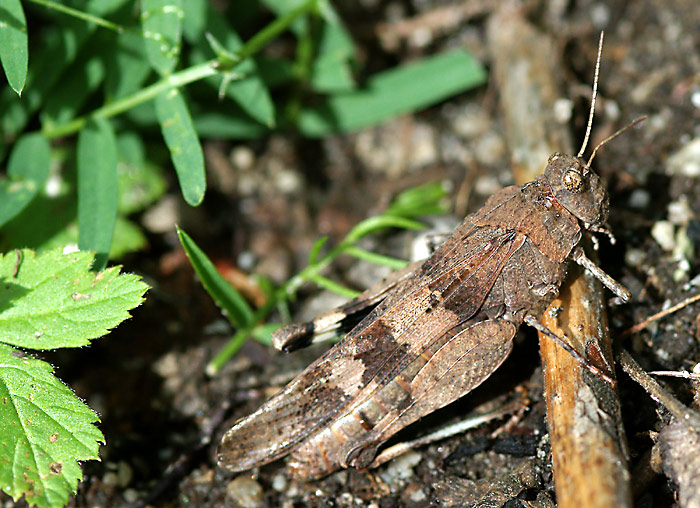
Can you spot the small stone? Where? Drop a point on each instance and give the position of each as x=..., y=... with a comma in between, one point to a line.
x=662, y=232
x=124, y=473
x=685, y=161
x=563, y=109
x=130, y=496
x=110, y=479
x=679, y=213
x=639, y=199
x=242, y=157
x=401, y=468
x=245, y=492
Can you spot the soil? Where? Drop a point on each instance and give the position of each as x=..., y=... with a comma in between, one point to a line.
x=269, y=200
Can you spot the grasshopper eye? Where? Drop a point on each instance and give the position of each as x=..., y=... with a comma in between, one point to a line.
x=573, y=181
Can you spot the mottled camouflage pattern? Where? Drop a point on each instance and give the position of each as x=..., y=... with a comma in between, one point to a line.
x=435, y=333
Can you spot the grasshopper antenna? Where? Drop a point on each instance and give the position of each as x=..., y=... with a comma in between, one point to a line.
x=594, y=96
x=616, y=134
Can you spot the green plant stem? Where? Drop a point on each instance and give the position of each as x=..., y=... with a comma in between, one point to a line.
x=80, y=15
x=176, y=80
x=259, y=40
x=181, y=78
x=282, y=293
x=238, y=339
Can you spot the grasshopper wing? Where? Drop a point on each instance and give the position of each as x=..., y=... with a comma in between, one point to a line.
x=445, y=291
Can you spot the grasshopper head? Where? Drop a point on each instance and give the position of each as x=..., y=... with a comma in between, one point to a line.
x=577, y=188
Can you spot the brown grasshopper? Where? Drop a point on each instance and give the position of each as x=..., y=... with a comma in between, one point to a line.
x=432, y=333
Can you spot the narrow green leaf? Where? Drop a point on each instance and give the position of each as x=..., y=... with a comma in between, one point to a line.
x=427, y=199
x=316, y=249
x=45, y=431
x=232, y=303
x=183, y=143
x=209, y=31
x=128, y=66
x=373, y=257
x=13, y=44
x=128, y=237
x=333, y=286
x=263, y=333
x=98, y=187
x=53, y=300
x=331, y=71
x=140, y=181
x=161, y=21
x=378, y=223
x=27, y=171
x=229, y=122
x=394, y=92
x=70, y=94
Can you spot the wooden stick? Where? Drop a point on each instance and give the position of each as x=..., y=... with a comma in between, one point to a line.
x=589, y=451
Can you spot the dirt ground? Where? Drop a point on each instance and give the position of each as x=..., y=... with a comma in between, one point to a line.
x=271, y=199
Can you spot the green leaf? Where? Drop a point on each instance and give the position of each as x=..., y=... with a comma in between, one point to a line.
x=141, y=182
x=128, y=237
x=68, y=97
x=232, y=303
x=53, y=300
x=128, y=66
x=263, y=333
x=331, y=70
x=379, y=223
x=48, y=222
x=205, y=28
x=316, y=249
x=427, y=199
x=97, y=189
x=373, y=257
x=183, y=143
x=228, y=123
x=45, y=431
x=162, y=29
x=394, y=92
x=333, y=286
x=27, y=170
x=13, y=44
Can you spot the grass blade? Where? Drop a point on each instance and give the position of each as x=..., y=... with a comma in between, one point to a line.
x=97, y=189
x=231, y=302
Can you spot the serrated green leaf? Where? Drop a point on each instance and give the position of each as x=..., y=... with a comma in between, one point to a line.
x=227, y=298
x=378, y=223
x=53, y=300
x=394, y=92
x=45, y=431
x=97, y=189
x=27, y=171
x=183, y=143
x=162, y=29
x=13, y=44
